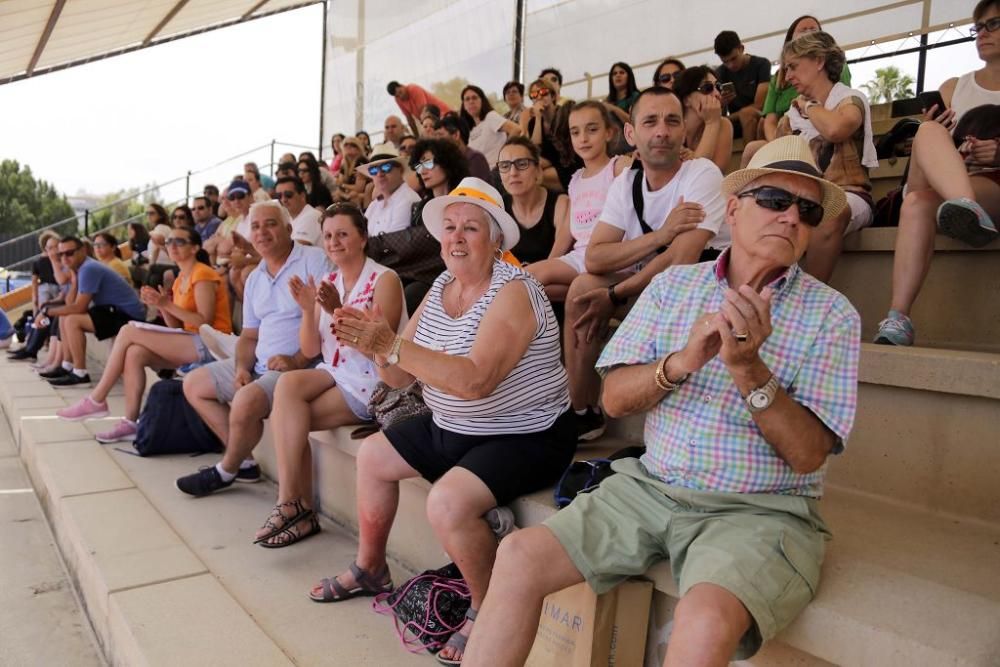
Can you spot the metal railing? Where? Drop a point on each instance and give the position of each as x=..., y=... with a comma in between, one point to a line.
x=19, y=252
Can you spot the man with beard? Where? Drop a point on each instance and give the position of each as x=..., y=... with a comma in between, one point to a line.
x=662, y=213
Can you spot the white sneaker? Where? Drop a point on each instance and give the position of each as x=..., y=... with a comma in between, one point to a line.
x=221, y=345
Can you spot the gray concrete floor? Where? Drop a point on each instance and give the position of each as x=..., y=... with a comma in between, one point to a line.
x=41, y=622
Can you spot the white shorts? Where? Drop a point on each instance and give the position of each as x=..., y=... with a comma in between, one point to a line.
x=861, y=213
x=575, y=259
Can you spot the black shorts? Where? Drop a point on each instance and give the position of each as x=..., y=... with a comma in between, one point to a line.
x=107, y=320
x=510, y=465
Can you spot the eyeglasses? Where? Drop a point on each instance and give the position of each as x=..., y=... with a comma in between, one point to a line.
x=236, y=195
x=985, y=26
x=177, y=241
x=776, y=199
x=101, y=244
x=69, y=253
x=284, y=194
x=707, y=88
x=178, y=216
x=667, y=77
x=426, y=165
x=199, y=208
x=519, y=164
x=385, y=168
x=541, y=92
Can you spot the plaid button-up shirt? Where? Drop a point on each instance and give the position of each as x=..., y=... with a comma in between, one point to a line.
x=702, y=436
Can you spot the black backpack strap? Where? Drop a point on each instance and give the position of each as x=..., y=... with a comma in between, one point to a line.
x=638, y=203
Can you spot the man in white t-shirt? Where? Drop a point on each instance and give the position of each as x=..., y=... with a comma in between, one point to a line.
x=305, y=219
x=393, y=200
x=394, y=130
x=682, y=216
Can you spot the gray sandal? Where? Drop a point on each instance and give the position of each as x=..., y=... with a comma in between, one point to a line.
x=368, y=585
x=458, y=640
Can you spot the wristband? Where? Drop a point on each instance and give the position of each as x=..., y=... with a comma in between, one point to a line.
x=615, y=299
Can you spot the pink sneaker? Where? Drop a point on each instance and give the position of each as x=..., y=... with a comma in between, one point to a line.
x=124, y=431
x=85, y=408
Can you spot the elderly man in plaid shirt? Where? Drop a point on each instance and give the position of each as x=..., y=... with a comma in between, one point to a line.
x=747, y=370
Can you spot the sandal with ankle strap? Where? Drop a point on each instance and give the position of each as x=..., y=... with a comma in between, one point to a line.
x=300, y=512
x=288, y=535
x=368, y=584
x=458, y=640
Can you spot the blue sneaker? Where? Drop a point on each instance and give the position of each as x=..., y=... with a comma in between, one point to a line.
x=965, y=220
x=896, y=329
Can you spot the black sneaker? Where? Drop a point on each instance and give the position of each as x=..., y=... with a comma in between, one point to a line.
x=70, y=380
x=22, y=355
x=590, y=426
x=56, y=372
x=249, y=475
x=207, y=480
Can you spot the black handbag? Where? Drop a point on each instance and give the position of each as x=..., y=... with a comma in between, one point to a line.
x=412, y=253
x=427, y=609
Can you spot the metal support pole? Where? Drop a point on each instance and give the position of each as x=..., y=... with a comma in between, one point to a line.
x=187, y=187
x=272, y=158
x=520, y=10
x=922, y=63
x=322, y=87
x=359, y=70
x=86, y=222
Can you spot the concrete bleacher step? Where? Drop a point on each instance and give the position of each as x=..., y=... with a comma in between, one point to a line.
x=170, y=580
x=902, y=586
x=956, y=308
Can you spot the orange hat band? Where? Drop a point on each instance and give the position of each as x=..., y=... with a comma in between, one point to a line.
x=475, y=194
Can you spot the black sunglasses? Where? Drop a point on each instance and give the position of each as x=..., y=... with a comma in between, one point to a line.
x=667, y=77
x=69, y=253
x=284, y=194
x=707, y=87
x=236, y=195
x=776, y=199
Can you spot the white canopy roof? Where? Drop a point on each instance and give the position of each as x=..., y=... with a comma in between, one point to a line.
x=38, y=36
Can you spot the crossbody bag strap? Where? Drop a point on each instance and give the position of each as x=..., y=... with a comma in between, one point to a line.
x=639, y=204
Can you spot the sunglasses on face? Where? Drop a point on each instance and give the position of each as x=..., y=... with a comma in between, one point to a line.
x=66, y=254
x=541, y=92
x=776, y=199
x=235, y=196
x=385, y=168
x=177, y=241
x=666, y=77
x=179, y=216
x=519, y=164
x=707, y=87
x=200, y=208
x=990, y=25
x=284, y=194
x=426, y=165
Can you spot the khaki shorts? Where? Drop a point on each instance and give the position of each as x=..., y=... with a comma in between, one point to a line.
x=765, y=549
x=224, y=374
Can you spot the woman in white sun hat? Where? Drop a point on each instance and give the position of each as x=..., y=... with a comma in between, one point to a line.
x=485, y=346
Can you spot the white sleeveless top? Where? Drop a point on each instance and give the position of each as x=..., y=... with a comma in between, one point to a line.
x=586, y=201
x=532, y=396
x=969, y=94
x=354, y=372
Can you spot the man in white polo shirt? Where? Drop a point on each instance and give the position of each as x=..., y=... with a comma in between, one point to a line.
x=291, y=192
x=392, y=204
x=234, y=396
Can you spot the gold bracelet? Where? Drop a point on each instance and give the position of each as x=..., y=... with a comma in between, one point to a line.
x=661, y=379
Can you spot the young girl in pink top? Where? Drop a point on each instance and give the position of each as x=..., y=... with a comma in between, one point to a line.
x=591, y=132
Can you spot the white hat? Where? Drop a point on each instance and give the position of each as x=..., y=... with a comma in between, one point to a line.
x=788, y=155
x=479, y=193
x=382, y=153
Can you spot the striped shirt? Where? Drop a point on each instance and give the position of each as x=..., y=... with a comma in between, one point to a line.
x=532, y=395
x=703, y=436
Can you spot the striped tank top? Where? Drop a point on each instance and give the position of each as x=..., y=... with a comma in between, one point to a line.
x=533, y=394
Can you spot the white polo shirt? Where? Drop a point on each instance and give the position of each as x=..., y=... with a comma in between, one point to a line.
x=392, y=213
x=305, y=226
x=269, y=307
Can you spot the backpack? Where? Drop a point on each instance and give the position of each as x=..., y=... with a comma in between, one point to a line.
x=585, y=476
x=169, y=425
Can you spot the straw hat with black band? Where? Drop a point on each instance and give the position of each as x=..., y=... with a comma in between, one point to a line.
x=788, y=155
x=479, y=193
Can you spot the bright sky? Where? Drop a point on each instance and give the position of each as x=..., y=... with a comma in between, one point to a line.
x=154, y=114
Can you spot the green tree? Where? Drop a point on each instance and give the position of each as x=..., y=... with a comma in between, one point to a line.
x=27, y=204
x=889, y=84
x=116, y=208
